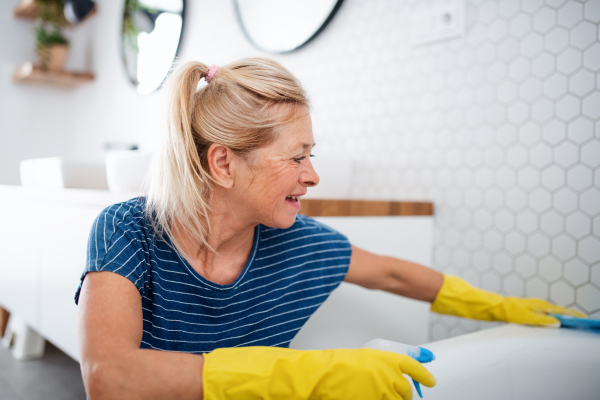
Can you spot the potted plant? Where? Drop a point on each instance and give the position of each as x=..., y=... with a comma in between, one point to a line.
x=50, y=43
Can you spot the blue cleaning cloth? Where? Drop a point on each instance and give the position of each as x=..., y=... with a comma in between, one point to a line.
x=567, y=321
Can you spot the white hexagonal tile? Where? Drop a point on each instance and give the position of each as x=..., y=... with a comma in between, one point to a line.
x=452, y=237
x=490, y=282
x=570, y=14
x=583, y=35
x=497, y=30
x=465, y=97
x=483, y=219
x=520, y=25
x=518, y=112
x=496, y=72
x=568, y=107
x=578, y=225
x=462, y=218
x=590, y=105
x=485, y=94
x=530, y=89
x=494, y=156
x=582, y=82
x=516, y=199
x=519, y=68
x=530, y=133
x=553, y=177
x=531, y=6
x=507, y=92
x=556, y=40
x=580, y=177
x=454, y=197
x=590, y=201
x=596, y=226
x=528, y=177
x=484, y=178
x=555, y=86
x=566, y=154
x=551, y=223
x=550, y=269
x=565, y=201
x=562, y=294
x=525, y=266
x=541, y=155
x=514, y=242
x=461, y=258
x=493, y=199
x=492, y=241
x=592, y=11
x=589, y=298
x=508, y=49
x=502, y=263
x=473, y=157
x=504, y=221
x=513, y=286
x=527, y=222
x=508, y=8
x=495, y=114
x=554, y=131
x=442, y=256
x=532, y=44
x=505, y=177
x=577, y=272
x=472, y=239
x=540, y=200
x=543, y=65
x=536, y=288
x=516, y=156
x=590, y=153
x=581, y=130
x=466, y=57
x=542, y=110
x=595, y=274
x=538, y=245
x=555, y=3
x=482, y=261
x=591, y=57
x=473, y=198
x=589, y=249
x=569, y=61
x=544, y=19
x=506, y=134
x=564, y=247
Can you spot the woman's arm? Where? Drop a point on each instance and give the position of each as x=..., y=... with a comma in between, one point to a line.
x=393, y=275
x=112, y=364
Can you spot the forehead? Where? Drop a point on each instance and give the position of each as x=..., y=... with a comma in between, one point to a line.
x=296, y=134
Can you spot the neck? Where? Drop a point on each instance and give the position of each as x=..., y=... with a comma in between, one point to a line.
x=229, y=244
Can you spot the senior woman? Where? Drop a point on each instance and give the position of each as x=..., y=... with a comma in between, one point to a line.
x=197, y=290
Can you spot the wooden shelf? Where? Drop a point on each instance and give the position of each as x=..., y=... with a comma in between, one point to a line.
x=363, y=208
x=30, y=73
x=26, y=9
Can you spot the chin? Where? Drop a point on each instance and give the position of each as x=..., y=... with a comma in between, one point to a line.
x=283, y=222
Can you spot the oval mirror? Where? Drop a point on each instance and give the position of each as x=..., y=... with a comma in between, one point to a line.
x=281, y=26
x=151, y=33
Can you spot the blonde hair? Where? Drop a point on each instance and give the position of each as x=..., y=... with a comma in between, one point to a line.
x=236, y=109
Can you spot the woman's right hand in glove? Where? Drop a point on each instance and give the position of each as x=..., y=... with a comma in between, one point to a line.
x=278, y=373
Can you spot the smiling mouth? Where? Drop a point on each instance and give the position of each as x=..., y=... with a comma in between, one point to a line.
x=292, y=199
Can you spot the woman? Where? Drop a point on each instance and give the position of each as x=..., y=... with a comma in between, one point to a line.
x=217, y=268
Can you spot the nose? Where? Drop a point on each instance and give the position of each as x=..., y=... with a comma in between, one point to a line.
x=309, y=177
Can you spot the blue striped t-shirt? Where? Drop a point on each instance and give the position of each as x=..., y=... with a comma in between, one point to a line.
x=288, y=275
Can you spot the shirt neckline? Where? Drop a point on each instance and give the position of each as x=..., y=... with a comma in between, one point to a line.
x=215, y=286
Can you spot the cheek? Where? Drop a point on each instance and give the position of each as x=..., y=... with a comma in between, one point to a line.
x=276, y=182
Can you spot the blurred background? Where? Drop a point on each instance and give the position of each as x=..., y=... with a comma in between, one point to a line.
x=489, y=109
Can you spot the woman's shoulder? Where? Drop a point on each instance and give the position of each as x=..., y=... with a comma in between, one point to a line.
x=127, y=211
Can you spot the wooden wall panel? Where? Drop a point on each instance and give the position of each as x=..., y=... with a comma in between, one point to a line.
x=363, y=208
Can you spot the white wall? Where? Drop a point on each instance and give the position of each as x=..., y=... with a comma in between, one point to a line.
x=500, y=128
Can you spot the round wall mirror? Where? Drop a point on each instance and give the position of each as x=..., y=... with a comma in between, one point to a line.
x=281, y=26
x=151, y=33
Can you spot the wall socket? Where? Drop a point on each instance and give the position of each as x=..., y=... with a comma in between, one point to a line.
x=438, y=22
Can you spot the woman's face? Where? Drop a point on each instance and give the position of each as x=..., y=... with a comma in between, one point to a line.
x=270, y=185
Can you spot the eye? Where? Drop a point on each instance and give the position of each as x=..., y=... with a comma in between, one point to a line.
x=298, y=160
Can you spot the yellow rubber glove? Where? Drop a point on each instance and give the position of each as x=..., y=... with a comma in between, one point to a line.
x=276, y=373
x=457, y=297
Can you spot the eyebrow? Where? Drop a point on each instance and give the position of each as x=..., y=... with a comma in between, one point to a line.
x=305, y=145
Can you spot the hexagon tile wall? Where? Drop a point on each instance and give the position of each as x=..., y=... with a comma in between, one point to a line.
x=500, y=128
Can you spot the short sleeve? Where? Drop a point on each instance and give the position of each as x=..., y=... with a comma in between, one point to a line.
x=117, y=244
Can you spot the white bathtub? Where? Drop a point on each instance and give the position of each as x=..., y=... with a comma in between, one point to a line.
x=516, y=362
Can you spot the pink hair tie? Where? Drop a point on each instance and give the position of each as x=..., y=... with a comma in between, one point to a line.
x=211, y=72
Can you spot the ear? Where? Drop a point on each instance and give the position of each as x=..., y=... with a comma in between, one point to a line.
x=220, y=163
